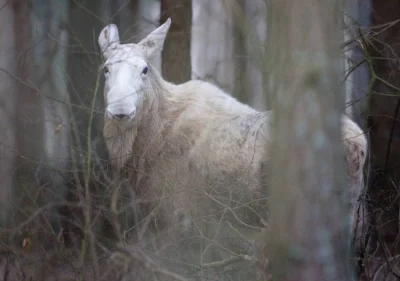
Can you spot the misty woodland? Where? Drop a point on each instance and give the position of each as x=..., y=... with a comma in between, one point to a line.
x=199, y=140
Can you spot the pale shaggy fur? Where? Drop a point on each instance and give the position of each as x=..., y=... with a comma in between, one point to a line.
x=196, y=129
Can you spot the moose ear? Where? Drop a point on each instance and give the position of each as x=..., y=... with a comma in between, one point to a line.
x=154, y=42
x=108, y=37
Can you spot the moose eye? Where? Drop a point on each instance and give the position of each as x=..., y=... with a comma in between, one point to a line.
x=106, y=71
x=144, y=71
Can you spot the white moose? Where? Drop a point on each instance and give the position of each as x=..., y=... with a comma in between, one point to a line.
x=176, y=135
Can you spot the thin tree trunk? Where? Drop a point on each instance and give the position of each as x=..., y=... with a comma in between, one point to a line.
x=176, y=61
x=309, y=222
x=238, y=11
x=8, y=93
x=357, y=16
x=87, y=18
x=50, y=36
x=256, y=15
x=129, y=21
x=149, y=14
x=30, y=113
x=212, y=45
x=30, y=101
x=247, y=19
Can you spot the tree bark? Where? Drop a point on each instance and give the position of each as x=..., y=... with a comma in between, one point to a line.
x=308, y=218
x=29, y=98
x=176, y=59
x=357, y=16
x=212, y=45
x=50, y=39
x=129, y=21
x=383, y=124
x=246, y=19
x=87, y=18
x=241, y=90
x=8, y=141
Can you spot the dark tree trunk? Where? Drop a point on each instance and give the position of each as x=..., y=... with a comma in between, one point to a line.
x=30, y=121
x=176, y=59
x=240, y=49
x=129, y=21
x=8, y=138
x=30, y=101
x=384, y=130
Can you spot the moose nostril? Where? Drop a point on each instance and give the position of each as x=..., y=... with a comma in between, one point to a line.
x=120, y=116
